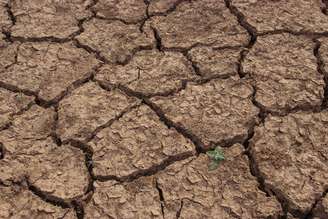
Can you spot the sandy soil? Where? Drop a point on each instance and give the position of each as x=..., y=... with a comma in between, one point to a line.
x=108, y=107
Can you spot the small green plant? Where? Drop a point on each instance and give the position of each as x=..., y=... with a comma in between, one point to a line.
x=216, y=156
x=20, y=97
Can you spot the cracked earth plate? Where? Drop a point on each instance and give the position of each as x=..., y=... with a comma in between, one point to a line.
x=291, y=154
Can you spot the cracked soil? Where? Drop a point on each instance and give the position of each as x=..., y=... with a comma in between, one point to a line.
x=108, y=107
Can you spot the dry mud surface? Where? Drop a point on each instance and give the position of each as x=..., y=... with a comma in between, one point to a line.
x=108, y=107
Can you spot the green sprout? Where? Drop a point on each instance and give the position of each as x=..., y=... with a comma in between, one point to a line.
x=216, y=156
x=20, y=96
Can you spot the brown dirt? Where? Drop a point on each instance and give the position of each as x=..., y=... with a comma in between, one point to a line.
x=285, y=74
x=211, y=63
x=129, y=11
x=206, y=22
x=218, y=112
x=48, y=69
x=321, y=209
x=150, y=72
x=291, y=15
x=44, y=18
x=107, y=109
x=19, y=202
x=296, y=144
x=5, y=21
x=115, y=40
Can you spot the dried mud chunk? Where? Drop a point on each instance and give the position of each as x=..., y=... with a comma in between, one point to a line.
x=23, y=140
x=115, y=41
x=48, y=18
x=285, y=73
x=87, y=108
x=150, y=72
x=5, y=21
x=34, y=124
x=200, y=22
x=130, y=11
x=10, y=104
x=212, y=62
x=162, y=6
x=137, y=141
x=292, y=15
x=8, y=52
x=60, y=172
x=48, y=69
x=324, y=54
x=136, y=200
x=57, y=171
x=20, y=203
x=228, y=192
x=220, y=111
x=291, y=154
x=16, y=165
x=321, y=209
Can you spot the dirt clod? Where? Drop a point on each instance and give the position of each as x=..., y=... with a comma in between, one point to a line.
x=60, y=172
x=48, y=18
x=284, y=70
x=276, y=15
x=211, y=62
x=8, y=53
x=115, y=40
x=10, y=104
x=207, y=22
x=126, y=200
x=291, y=154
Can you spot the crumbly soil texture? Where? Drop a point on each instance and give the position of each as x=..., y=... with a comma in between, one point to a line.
x=109, y=107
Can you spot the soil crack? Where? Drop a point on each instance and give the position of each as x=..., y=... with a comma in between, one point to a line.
x=158, y=39
x=310, y=214
x=242, y=22
x=48, y=197
x=180, y=209
x=171, y=9
x=253, y=166
x=255, y=171
x=200, y=147
x=90, y=50
x=161, y=198
x=296, y=33
x=149, y=171
x=324, y=9
x=53, y=102
x=2, y=151
x=10, y=12
x=321, y=70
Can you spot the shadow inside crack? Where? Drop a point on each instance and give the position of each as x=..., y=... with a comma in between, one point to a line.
x=147, y=172
x=2, y=151
x=48, y=197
